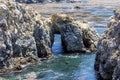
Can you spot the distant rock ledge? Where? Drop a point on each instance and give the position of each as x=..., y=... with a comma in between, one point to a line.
x=37, y=1
x=26, y=36
x=107, y=62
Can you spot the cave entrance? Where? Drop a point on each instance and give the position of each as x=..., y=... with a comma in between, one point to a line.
x=57, y=45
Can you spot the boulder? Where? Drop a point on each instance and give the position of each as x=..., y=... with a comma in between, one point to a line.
x=107, y=62
x=76, y=35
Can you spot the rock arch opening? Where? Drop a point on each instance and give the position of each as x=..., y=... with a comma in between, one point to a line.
x=57, y=47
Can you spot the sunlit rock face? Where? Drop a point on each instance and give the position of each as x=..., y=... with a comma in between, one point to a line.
x=108, y=50
x=76, y=35
x=25, y=36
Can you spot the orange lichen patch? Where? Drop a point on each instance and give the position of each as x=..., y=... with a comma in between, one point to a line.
x=53, y=17
x=60, y=18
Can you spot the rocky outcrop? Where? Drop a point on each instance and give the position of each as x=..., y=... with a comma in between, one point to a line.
x=44, y=38
x=25, y=36
x=107, y=62
x=76, y=35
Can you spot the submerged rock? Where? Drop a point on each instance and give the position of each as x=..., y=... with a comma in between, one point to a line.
x=30, y=1
x=76, y=35
x=107, y=62
x=37, y=1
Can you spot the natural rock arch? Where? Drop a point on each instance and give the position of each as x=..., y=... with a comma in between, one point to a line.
x=76, y=36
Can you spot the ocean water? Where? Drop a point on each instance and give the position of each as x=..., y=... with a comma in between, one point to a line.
x=63, y=67
x=75, y=66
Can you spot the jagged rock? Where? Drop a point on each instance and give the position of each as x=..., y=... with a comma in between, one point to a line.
x=107, y=62
x=25, y=46
x=17, y=43
x=76, y=35
x=89, y=35
x=44, y=39
x=5, y=49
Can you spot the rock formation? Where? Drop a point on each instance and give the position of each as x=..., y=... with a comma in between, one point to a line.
x=107, y=62
x=25, y=36
x=76, y=35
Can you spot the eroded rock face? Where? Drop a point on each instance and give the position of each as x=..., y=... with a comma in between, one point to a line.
x=76, y=35
x=25, y=46
x=44, y=39
x=89, y=35
x=20, y=33
x=5, y=49
x=108, y=51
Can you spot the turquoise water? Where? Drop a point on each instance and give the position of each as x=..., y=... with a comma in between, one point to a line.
x=63, y=67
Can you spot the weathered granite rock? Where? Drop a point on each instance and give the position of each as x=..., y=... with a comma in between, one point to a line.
x=25, y=47
x=76, y=35
x=89, y=35
x=107, y=62
x=18, y=44
x=5, y=49
x=44, y=39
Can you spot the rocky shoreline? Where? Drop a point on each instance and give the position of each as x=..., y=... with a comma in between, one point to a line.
x=26, y=36
x=108, y=50
x=22, y=34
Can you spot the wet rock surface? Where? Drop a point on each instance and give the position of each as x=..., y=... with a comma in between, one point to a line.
x=76, y=35
x=107, y=60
